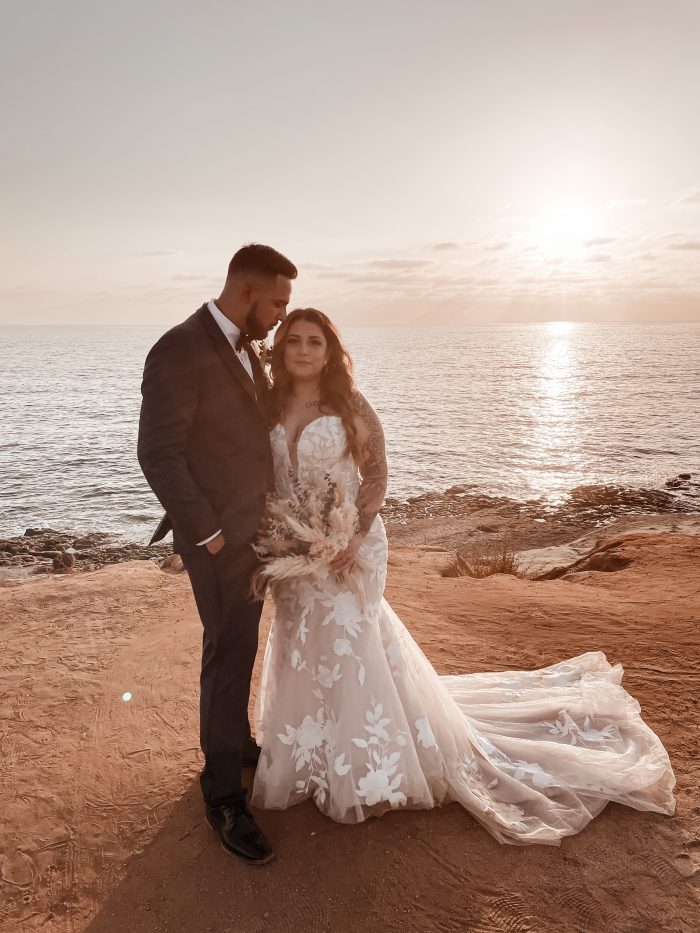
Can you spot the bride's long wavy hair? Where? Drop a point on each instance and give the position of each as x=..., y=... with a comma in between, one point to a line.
x=337, y=383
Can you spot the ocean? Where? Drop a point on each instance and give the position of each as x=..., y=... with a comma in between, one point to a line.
x=524, y=411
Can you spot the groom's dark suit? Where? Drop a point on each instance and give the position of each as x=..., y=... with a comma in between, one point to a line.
x=204, y=449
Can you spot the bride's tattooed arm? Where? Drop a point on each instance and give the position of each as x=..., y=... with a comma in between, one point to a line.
x=372, y=465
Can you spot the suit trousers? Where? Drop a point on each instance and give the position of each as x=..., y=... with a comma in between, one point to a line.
x=230, y=619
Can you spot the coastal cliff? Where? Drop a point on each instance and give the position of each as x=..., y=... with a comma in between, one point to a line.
x=101, y=818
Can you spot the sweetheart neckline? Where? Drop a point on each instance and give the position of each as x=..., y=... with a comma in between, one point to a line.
x=305, y=428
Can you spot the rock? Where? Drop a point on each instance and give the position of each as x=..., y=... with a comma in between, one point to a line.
x=459, y=490
x=173, y=564
x=604, y=563
x=64, y=563
x=88, y=541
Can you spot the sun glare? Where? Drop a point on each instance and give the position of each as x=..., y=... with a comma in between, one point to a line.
x=562, y=230
x=559, y=328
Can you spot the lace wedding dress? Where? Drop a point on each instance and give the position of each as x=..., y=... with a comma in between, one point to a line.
x=352, y=714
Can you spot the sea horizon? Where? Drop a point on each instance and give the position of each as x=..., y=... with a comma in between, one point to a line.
x=523, y=411
x=452, y=325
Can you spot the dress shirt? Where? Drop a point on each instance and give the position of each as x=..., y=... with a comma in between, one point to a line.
x=231, y=333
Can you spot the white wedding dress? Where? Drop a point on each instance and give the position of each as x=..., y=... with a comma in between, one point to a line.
x=351, y=714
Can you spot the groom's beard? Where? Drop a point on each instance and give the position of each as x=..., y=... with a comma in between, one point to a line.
x=254, y=328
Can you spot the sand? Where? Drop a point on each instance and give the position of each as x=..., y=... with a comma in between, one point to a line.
x=102, y=823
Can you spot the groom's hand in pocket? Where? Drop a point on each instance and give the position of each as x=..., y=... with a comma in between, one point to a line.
x=216, y=544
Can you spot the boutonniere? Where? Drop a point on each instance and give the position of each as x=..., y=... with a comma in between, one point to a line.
x=264, y=354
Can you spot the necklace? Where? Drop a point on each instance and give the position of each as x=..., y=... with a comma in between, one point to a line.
x=316, y=402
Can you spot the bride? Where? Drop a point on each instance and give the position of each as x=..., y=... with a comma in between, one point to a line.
x=350, y=712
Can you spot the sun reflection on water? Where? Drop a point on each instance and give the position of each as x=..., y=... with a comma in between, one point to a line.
x=559, y=328
x=556, y=413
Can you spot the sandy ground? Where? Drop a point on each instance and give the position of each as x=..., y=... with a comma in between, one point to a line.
x=102, y=825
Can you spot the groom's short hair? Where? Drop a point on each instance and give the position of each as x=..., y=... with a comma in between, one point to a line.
x=257, y=259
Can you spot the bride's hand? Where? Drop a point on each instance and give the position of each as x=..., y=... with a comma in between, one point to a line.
x=346, y=561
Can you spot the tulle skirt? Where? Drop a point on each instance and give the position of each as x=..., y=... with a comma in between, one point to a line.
x=351, y=714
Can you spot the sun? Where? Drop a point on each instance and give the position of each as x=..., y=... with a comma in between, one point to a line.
x=562, y=230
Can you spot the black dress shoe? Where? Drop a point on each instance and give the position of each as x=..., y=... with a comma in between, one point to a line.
x=250, y=754
x=238, y=834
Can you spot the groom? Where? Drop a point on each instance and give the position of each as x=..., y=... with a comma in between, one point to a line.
x=204, y=449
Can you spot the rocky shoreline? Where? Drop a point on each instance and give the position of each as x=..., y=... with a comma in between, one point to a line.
x=450, y=519
x=45, y=550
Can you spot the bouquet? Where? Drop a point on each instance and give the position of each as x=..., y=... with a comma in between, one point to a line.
x=301, y=534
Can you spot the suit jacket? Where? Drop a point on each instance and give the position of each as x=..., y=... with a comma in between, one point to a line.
x=203, y=439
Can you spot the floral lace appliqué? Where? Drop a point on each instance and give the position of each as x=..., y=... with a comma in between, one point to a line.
x=382, y=782
x=566, y=726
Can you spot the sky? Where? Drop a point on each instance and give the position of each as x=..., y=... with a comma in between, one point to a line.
x=443, y=162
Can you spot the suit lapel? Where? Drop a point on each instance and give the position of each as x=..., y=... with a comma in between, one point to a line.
x=225, y=350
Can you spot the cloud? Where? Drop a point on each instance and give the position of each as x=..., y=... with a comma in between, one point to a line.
x=487, y=280
x=621, y=203
x=445, y=247
x=689, y=197
x=599, y=240
x=685, y=245
x=370, y=277
x=446, y=293
x=496, y=246
x=405, y=264
x=599, y=257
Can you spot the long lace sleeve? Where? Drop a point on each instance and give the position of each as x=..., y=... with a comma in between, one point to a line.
x=373, y=466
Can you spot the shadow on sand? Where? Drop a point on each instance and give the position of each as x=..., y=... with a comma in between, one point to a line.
x=436, y=870
x=326, y=876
